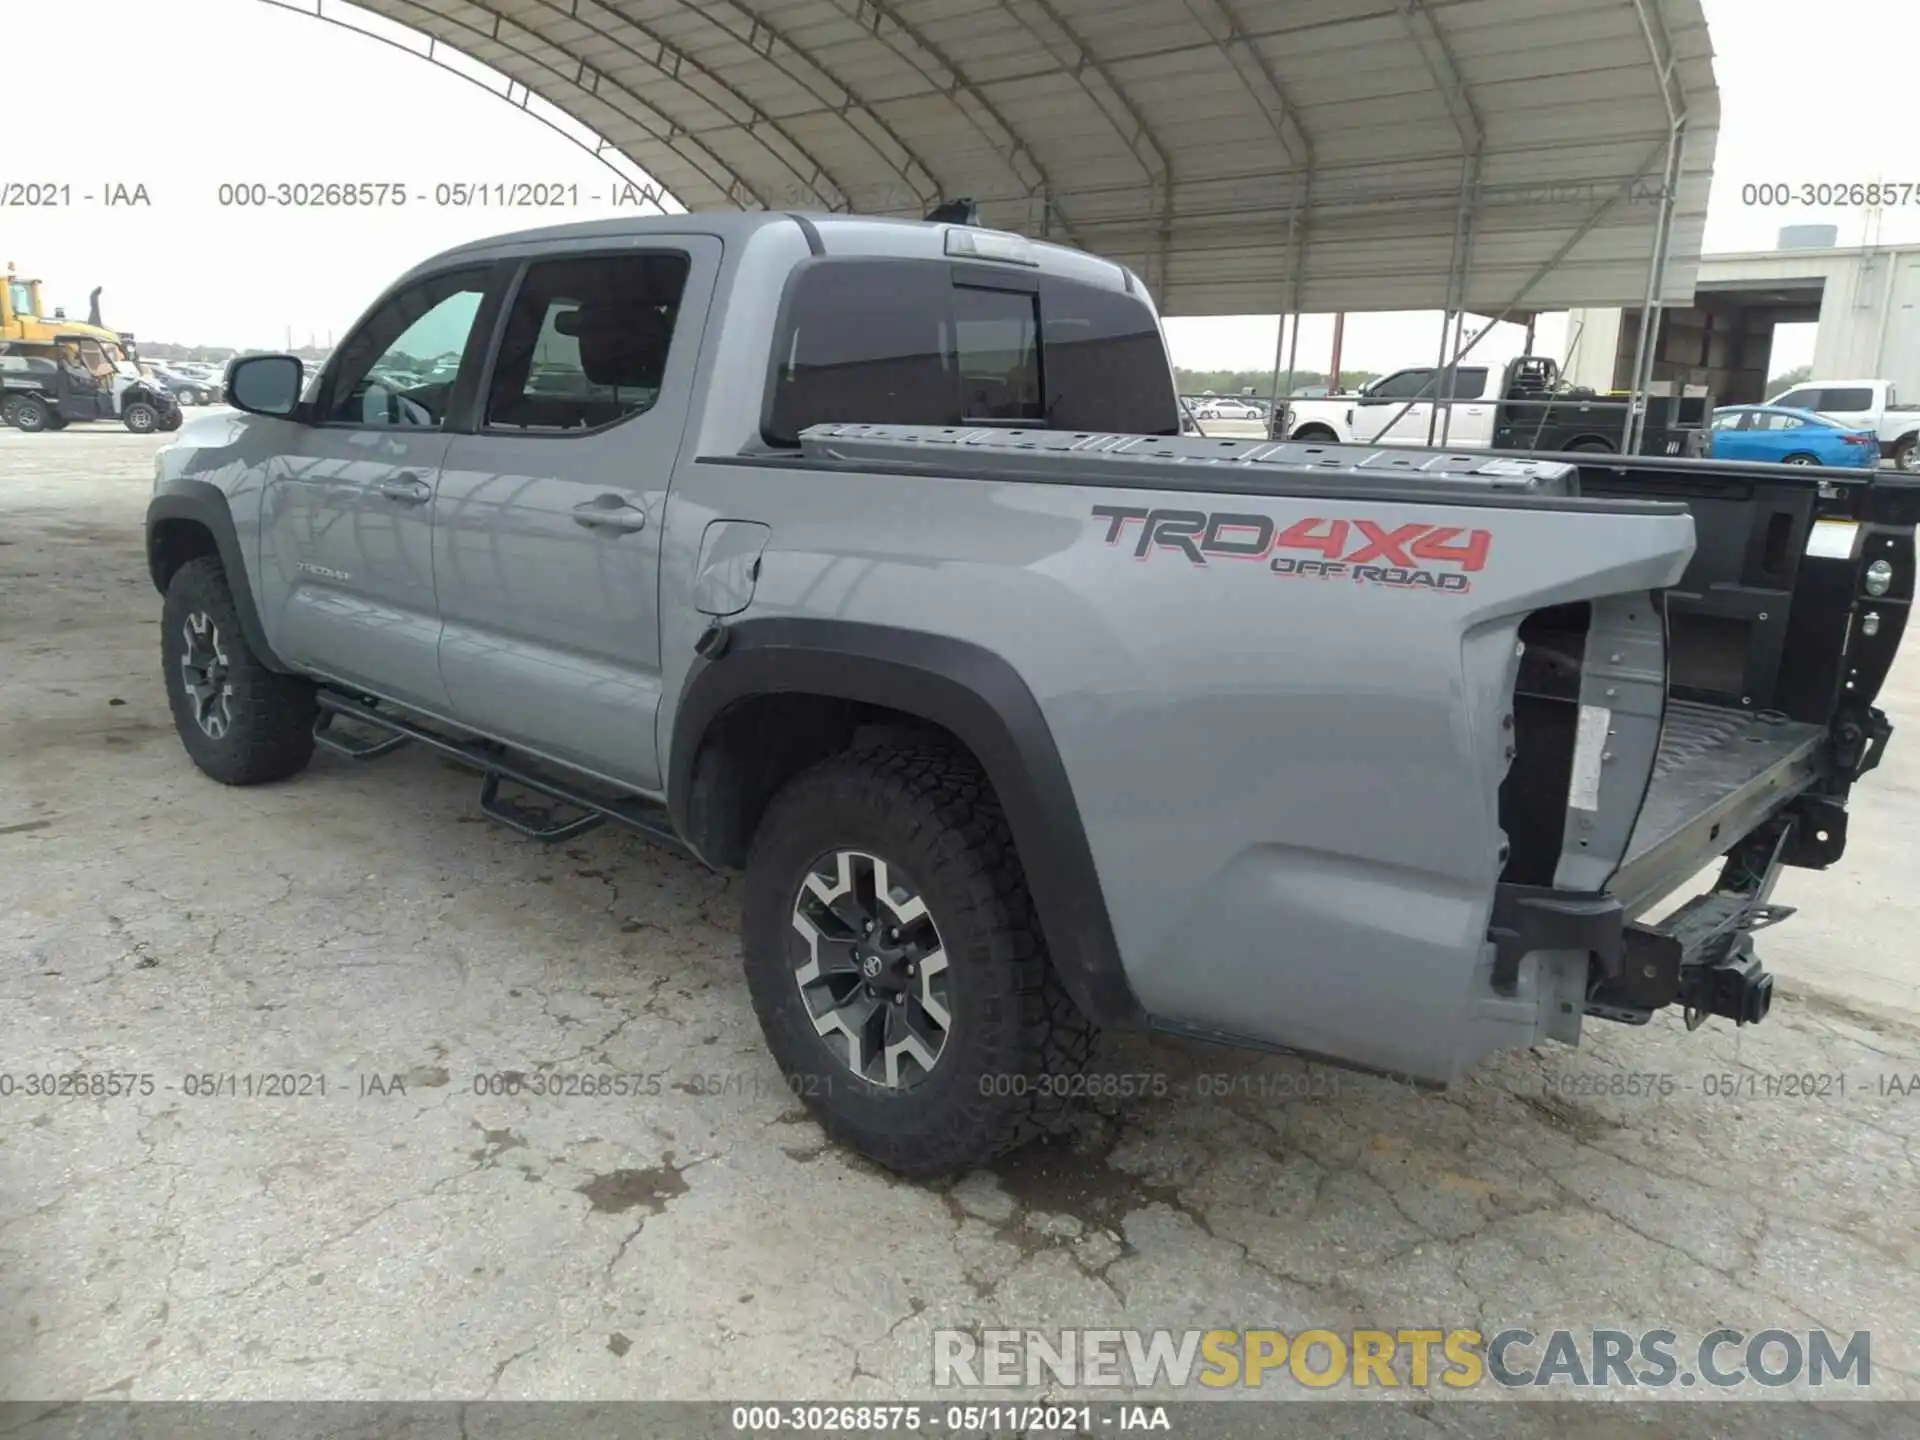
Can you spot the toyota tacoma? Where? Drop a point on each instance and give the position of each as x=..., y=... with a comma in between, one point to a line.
x=867, y=558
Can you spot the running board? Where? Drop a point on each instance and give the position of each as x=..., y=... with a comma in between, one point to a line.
x=533, y=822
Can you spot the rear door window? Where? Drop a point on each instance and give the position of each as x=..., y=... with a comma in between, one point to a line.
x=1469, y=383
x=1852, y=398
x=586, y=341
x=913, y=342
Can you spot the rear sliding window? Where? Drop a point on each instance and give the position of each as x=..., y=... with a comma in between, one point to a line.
x=916, y=342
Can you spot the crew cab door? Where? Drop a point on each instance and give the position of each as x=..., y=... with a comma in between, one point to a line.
x=1468, y=422
x=548, y=518
x=1377, y=417
x=346, y=542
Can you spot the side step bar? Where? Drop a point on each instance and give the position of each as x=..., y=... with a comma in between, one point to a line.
x=490, y=760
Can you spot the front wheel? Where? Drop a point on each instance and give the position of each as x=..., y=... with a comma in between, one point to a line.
x=895, y=962
x=141, y=418
x=242, y=723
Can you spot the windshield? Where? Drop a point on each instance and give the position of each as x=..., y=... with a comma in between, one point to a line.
x=19, y=297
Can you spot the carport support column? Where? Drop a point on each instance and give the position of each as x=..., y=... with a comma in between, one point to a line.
x=1302, y=199
x=1646, y=349
x=1440, y=413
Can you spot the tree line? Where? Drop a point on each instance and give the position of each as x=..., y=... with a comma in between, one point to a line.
x=1235, y=382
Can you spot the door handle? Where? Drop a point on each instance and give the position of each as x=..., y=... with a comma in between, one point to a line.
x=406, y=489
x=610, y=512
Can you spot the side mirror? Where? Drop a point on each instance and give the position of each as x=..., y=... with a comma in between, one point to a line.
x=265, y=384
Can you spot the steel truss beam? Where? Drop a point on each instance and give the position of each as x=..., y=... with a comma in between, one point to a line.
x=589, y=84
x=677, y=64
x=884, y=23
x=597, y=152
x=1060, y=40
x=774, y=45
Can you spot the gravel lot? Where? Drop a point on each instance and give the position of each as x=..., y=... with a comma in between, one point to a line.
x=404, y=1236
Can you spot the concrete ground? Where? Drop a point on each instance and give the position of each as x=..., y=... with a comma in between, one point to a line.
x=404, y=1235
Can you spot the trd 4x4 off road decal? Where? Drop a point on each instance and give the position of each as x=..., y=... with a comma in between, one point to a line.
x=1407, y=557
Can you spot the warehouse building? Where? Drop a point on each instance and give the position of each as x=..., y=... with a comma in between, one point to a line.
x=1865, y=299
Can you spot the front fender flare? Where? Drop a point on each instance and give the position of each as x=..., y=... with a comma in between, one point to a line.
x=199, y=503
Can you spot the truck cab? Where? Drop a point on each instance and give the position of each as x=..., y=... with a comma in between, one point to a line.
x=1398, y=409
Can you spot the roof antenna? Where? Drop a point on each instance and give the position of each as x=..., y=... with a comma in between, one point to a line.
x=955, y=212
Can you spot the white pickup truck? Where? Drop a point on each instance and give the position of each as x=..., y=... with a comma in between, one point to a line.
x=1379, y=412
x=1864, y=405
x=1524, y=406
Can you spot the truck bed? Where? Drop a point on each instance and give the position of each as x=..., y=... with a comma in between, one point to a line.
x=1718, y=773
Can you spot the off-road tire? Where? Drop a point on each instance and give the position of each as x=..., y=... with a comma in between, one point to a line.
x=173, y=422
x=29, y=413
x=1015, y=1039
x=269, y=735
x=141, y=418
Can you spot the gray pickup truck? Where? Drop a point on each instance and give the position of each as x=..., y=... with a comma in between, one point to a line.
x=868, y=558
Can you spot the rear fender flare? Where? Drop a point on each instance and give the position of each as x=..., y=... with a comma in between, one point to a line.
x=980, y=699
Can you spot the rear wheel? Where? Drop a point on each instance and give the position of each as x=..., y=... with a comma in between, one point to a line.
x=141, y=418
x=242, y=723
x=896, y=964
x=1906, y=455
x=1597, y=447
x=1801, y=458
x=1319, y=434
x=29, y=412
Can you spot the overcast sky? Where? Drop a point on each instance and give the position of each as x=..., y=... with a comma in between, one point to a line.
x=183, y=95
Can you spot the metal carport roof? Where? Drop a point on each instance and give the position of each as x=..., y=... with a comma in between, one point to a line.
x=1244, y=156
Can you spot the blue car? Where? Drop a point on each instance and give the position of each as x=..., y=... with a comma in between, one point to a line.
x=1791, y=437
